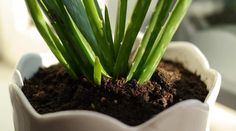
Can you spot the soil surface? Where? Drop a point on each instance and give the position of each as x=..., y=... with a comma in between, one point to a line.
x=52, y=89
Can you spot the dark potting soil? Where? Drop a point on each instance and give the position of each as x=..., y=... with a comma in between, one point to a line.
x=52, y=89
x=226, y=16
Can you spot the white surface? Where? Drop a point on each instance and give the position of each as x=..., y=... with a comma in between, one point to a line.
x=224, y=119
x=219, y=47
x=6, y=121
x=18, y=36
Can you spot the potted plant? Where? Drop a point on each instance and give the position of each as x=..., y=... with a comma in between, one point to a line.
x=97, y=67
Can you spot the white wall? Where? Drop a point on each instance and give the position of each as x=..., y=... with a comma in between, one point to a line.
x=18, y=36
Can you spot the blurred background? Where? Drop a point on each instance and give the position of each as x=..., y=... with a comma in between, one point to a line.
x=209, y=24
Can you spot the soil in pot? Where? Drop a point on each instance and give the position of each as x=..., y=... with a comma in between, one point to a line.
x=52, y=89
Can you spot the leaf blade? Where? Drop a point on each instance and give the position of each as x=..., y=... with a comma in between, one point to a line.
x=72, y=39
x=137, y=18
x=50, y=38
x=97, y=71
x=170, y=27
x=120, y=24
x=79, y=16
x=97, y=24
x=157, y=20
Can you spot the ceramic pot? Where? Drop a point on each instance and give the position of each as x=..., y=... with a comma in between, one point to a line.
x=184, y=116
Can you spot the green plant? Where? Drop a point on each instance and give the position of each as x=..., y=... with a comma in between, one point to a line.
x=79, y=34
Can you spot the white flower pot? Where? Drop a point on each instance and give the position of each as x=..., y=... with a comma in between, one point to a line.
x=189, y=115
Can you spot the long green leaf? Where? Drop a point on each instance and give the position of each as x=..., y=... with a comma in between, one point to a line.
x=157, y=21
x=137, y=18
x=97, y=25
x=79, y=16
x=69, y=63
x=120, y=24
x=108, y=32
x=50, y=38
x=98, y=9
x=167, y=33
x=97, y=71
x=73, y=40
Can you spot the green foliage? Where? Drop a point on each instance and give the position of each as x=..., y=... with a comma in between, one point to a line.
x=97, y=71
x=79, y=34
